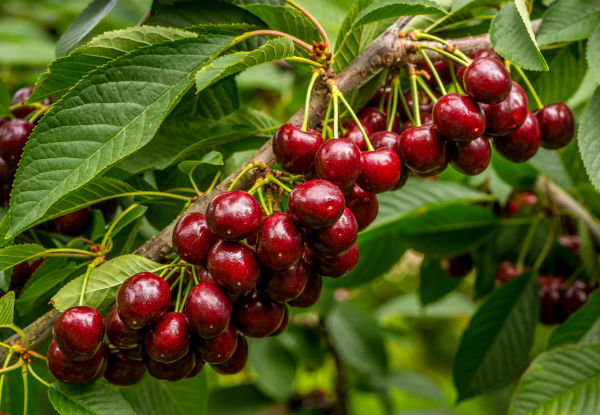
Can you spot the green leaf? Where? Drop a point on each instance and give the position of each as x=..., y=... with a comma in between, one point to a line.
x=593, y=52
x=392, y=9
x=7, y=308
x=434, y=282
x=132, y=215
x=103, y=282
x=90, y=399
x=275, y=367
x=190, y=14
x=212, y=158
x=454, y=305
x=4, y=99
x=587, y=138
x=83, y=24
x=494, y=349
x=549, y=163
x=219, y=100
x=512, y=37
x=413, y=383
x=518, y=175
x=110, y=114
x=254, y=401
x=467, y=4
x=561, y=381
x=583, y=327
x=15, y=254
x=567, y=20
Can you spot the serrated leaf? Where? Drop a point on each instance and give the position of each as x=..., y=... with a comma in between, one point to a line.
x=561, y=381
x=7, y=308
x=219, y=100
x=349, y=40
x=467, y=4
x=512, y=37
x=434, y=283
x=213, y=158
x=103, y=282
x=587, y=138
x=568, y=20
x=275, y=367
x=593, y=52
x=392, y=9
x=15, y=254
x=583, y=327
x=187, y=13
x=4, y=99
x=110, y=114
x=494, y=349
x=90, y=399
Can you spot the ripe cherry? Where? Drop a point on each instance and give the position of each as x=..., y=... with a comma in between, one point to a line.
x=458, y=266
x=69, y=371
x=443, y=70
x=354, y=135
x=486, y=80
x=198, y=365
x=20, y=97
x=142, y=299
x=385, y=139
x=204, y=276
x=119, y=334
x=460, y=74
x=19, y=276
x=507, y=116
x=425, y=102
x=471, y=157
x=522, y=144
x=79, y=332
x=6, y=172
x=13, y=137
x=256, y=316
x=220, y=348
x=284, y=323
x=237, y=361
x=171, y=371
x=550, y=300
x=340, y=265
x=364, y=206
x=316, y=204
x=458, y=118
x=169, y=339
x=295, y=149
x=575, y=296
x=338, y=161
x=372, y=117
x=311, y=293
x=208, y=310
x=234, y=265
x=423, y=150
x=484, y=53
x=506, y=271
x=285, y=285
x=192, y=239
x=280, y=242
x=233, y=215
x=336, y=239
x=571, y=243
x=557, y=125
x=74, y=223
x=122, y=371
x=134, y=353
x=381, y=170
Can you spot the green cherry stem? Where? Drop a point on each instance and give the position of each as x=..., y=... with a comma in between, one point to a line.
x=545, y=250
x=391, y=115
x=534, y=94
x=299, y=59
x=272, y=179
x=434, y=71
x=179, y=288
x=314, y=21
x=455, y=81
x=186, y=295
x=313, y=79
x=414, y=92
x=38, y=377
x=446, y=54
x=385, y=87
x=527, y=242
x=326, y=121
x=456, y=51
x=245, y=170
x=253, y=33
x=261, y=199
x=355, y=118
x=407, y=109
x=336, y=116
x=195, y=275
x=113, y=225
x=214, y=182
x=167, y=267
x=25, y=388
x=426, y=89
x=89, y=269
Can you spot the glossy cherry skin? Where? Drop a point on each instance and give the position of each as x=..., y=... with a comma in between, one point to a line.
x=208, y=310
x=557, y=125
x=280, y=242
x=234, y=265
x=575, y=296
x=486, y=80
x=233, y=215
x=458, y=266
x=205, y=276
x=354, y=135
x=70, y=371
x=522, y=144
x=364, y=206
x=460, y=74
x=220, y=348
x=381, y=170
x=74, y=223
x=551, y=292
x=256, y=316
x=338, y=161
x=484, y=53
x=507, y=116
x=316, y=204
x=339, y=266
x=13, y=137
x=122, y=371
x=336, y=239
x=285, y=285
x=425, y=102
x=471, y=157
x=423, y=150
x=295, y=149
x=385, y=139
x=142, y=299
x=237, y=361
x=119, y=334
x=311, y=293
x=169, y=339
x=373, y=118
x=284, y=323
x=192, y=239
x=171, y=371
x=458, y=118
x=79, y=332
x=19, y=98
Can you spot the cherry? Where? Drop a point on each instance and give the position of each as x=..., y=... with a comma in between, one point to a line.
x=208, y=310
x=119, y=334
x=280, y=242
x=79, y=332
x=425, y=102
x=336, y=239
x=575, y=296
x=550, y=300
x=506, y=271
x=108, y=208
x=295, y=149
x=571, y=243
x=372, y=117
x=364, y=206
x=507, y=116
x=381, y=170
x=192, y=239
x=19, y=276
x=311, y=293
x=458, y=266
x=518, y=200
x=6, y=172
x=256, y=316
x=35, y=265
x=135, y=353
x=197, y=366
x=233, y=215
x=171, y=371
x=460, y=74
x=142, y=299
x=70, y=371
x=19, y=98
x=443, y=70
x=220, y=348
x=234, y=265
x=340, y=265
x=471, y=157
x=286, y=285
x=122, y=371
x=205, y=276
x=316, y=203
x=484, y=53
x=376, y=99
x=338, y=161
x=486, y=80
x=557, y=125
x=169, y=339
x=522, y=144
x=237, y=361
x=458, y=118
x=284, y=323
x=423, y=150
x=385, y=139
x=74, y=223
x=354, y=135
x=13, y=137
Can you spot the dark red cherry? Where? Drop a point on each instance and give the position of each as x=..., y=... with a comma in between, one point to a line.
x=381, y=170
x=376, y=99
x=423, y=150
x=204, y=276
x=484, y=53
x=295, y=149
x=507, y=116
x=443, y=70
x=208, y=310
x=192, y=239
x=108, y=208
x=311, y=293
x=339, y=266
x=135, y=353
x=458, y=266
x=74, y=223
x=471, y=157
x=316, y=203
x=19, y=276
x=79, y=332
x=237, y=361
x=256, y=316
x=284, y=323
x=425, y=102
x=364, y=206
x=169, y=339
x=557, y=125
x=385, y=139
x=460, y=74
x=575, y=296
x=233, y=215
x=220, y=348
x=354, y=135
x=458, y=118
x=142, y=299
x=506, y=271
x=171, y=371
x=13, y=137
x=119, y=334
x=280, y=242
x=571, y=243
x=373, y=118
x=338, y=161
x=522, y=144
x=285, y=285
x=550, y=300
x=198, y=365
x=335, y=239
x=20, y=97
x=6, y=172
x=122, y=371
x=234, y=265
x=486, y=80
x=69, y=371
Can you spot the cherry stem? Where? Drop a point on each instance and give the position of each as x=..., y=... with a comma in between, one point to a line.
x=395, y=91
x=158, y=194
x=179, y=288
x=192, y=181
x=21, y=334
x=527, y=242
x=8, y=357
x=167, y=267
x=38, y=377
x=261, y=199
x=326, y=121
x=245, y=170
x=185, y=297
x=545, y=250
x=313, y=79
x=355, y=118
x=265, y=32
x=414, y=92
x=213, y=183
x=17, y=365
x=336, y=116
x=426, y=89
x=455, y=81
x=407, y=110
x=456, y=51
x=272, y=179
x=195, y=275
x=534, y=94
x=25, y=388
x=112, y=227
x=434, y=71
x=385, y=87
x=69, y=251
x=299, y=59
x=446, y=54
x=460, y=23
x=89, y=269
x=35, y=115
x=312, y=20
x=436, y=23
